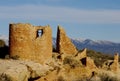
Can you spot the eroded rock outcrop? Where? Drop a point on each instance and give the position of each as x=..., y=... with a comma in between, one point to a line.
x=64, y=44
x=16, y=70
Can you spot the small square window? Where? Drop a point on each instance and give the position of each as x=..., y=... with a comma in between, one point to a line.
x=39, y=33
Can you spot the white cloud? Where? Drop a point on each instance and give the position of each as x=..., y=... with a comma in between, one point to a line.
x=63, y=14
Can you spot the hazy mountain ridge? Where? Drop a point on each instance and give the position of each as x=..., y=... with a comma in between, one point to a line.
x=99, y=45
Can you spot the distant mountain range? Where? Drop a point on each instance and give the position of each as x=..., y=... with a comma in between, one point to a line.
x=100, y=46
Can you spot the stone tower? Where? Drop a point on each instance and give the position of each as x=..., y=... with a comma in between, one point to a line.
x=30, y=42
x=64, y=44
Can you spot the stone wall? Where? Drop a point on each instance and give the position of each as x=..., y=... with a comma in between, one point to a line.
x=87, y=61
x=30, y=42
x=81, y=55
x=115, y=65
x=90, y=63
x=64, y=44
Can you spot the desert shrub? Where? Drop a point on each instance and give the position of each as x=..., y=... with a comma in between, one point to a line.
x=99, y=57
x=4, y=50
x=60, y=78
x=108, y=76
x=16, y=57
x=7, y=56
x=72, y=62
x=105, y=77
x=2, y=43
x=82, y=79
x=4, y=77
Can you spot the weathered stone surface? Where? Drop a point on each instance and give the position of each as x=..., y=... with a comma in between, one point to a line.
x=50, y=77
x=112, y=65
x=106, y=64
x=87, y=61
x=90, y=63
x=115, y=65
x=16, y=70
x=30, y=42
x=82, y=54
x=64, y=44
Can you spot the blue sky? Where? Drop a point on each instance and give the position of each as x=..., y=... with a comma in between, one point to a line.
x=93, y=19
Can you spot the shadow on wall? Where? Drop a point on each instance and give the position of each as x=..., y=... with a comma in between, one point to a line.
x=4, y=49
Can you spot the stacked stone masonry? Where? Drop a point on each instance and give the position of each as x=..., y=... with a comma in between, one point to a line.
x=115, y=65
x=64, y=44
x=30, y=42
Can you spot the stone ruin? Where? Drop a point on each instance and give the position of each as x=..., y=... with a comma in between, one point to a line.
x=81, y=55
x=112, y=65
x=90, y=63
x=35, y=42
x=30, y=42
x=87, y=61
x=115, y=65
x=64, y=44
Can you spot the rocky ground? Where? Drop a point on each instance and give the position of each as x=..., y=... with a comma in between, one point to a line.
x=61, y=67
x=16, y=70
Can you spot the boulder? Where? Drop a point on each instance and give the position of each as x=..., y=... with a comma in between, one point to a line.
x=16, y=70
